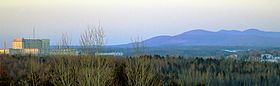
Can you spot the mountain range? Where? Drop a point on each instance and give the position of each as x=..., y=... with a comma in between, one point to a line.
x=199, y=37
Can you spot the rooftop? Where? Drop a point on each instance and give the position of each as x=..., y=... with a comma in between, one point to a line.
x=18, y=40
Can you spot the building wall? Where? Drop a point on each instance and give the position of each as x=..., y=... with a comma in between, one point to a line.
x=17, y=43
x=45, y=49
x=32, y=43
x=15, y=51
x=33, y=51
x=30, y=46
x=45, y=43
x=4, y=51
x=63, y=52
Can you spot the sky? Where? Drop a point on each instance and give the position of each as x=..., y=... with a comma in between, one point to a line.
x=124, y=20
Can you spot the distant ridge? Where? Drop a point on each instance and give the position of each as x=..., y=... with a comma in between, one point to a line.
x=199, y=37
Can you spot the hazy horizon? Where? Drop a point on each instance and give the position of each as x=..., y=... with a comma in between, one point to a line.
x=126, y=19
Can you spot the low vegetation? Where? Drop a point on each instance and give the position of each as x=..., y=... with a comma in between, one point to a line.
x=134, y=71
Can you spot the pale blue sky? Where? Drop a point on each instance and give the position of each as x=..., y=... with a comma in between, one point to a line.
x=126, y=19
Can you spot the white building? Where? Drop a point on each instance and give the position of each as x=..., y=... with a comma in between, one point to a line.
x=110, y=54
x=269, y=58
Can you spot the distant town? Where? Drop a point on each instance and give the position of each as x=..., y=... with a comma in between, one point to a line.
x=41, y=47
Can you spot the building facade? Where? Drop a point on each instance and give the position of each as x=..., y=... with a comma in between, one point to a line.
x=17, y=43
x=4, y=51
x=30, y=46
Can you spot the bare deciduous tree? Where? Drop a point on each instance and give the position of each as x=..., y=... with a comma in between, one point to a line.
x=99, y=38
x=138, y=46
x=64, y=43
x=92, y=40
x=66, y=40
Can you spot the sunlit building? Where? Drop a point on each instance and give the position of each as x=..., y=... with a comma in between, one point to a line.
x=17, y=43
x=30, y=46
x=4, y=51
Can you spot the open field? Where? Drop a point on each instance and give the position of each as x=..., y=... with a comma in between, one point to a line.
x=134, y=71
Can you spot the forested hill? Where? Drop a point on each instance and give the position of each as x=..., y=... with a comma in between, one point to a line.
x=250, y=37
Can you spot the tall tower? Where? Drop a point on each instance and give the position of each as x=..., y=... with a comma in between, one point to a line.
x=33, y=32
